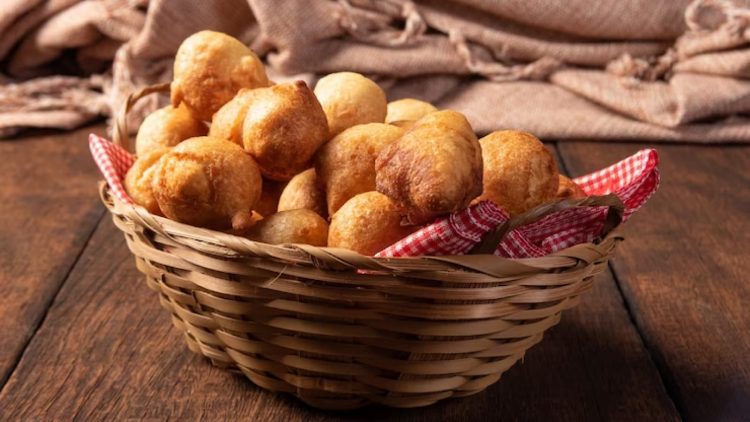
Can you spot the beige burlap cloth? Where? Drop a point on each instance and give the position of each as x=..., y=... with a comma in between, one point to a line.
x=672, y=70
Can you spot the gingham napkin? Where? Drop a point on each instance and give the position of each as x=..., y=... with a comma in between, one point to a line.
x=113, y=162
x=633, y=180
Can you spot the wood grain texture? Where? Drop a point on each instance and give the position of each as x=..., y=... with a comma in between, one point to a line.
x=108, y=351
x=48, y=210
x=685, y=272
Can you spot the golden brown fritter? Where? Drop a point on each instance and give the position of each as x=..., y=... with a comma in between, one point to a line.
x=569, y=189
x=403, y=124
x=283, y=128
x=243, y=222
x=206, y=182
x=227, y=122
x=167, y=127
x=367, y=223
x=304, y=191
x=350, y=99
x=269, y=198
x=138, y=180
x=519, y=172
x=209, y=69
x=346, y=164
x=292, y=226
x=408, y=109
x=435, y=168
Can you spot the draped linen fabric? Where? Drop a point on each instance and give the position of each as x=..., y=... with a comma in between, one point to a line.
x=661, y=70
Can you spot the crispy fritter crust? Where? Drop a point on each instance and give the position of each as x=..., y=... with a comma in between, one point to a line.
x=346, y=164
x=227, y=122
x=304, y=191
x=350, y=99
x=209, y=69
x=435, y=168
x=167, y=127
x=292, y=226
x=138, y=179
x=367, y=223
x=283, y=128
x=519, y=172
x=408, y=109
x=205, y=182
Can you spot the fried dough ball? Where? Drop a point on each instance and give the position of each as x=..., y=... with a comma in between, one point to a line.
x=138, y=180
x=283, y=128
x=209, y=69
x=519, y=172
x=408, y=109
x=227, y=122
x=304, y=191
x=269, y=198
x=207, y=182
x=434, y=169
x=367, y=224
x=350, y=99
x=167, y=127
x=292, y=226
x=569, y=189
x=346, y=164
x=243, y=222
x=403, y=124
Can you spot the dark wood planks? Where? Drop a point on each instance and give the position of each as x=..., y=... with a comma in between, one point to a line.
x=685, y=272
x=47, y=213
x=108, y=351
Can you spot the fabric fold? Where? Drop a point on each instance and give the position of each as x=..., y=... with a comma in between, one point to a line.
x=663, y=70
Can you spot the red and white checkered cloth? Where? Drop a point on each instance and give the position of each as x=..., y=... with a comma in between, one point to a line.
x=114, y=162
x=633, y=180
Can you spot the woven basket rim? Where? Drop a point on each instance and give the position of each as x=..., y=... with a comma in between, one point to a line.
x=227, y=245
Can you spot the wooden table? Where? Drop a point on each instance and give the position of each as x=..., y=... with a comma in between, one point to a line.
x=664, y=335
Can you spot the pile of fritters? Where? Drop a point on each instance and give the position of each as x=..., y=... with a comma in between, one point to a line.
x=277, y=162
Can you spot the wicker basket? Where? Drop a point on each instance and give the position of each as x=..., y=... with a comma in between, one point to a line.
x=340, y=330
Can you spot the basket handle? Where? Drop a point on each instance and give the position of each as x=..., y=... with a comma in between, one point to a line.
x=494, y=237
x=120, y=132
